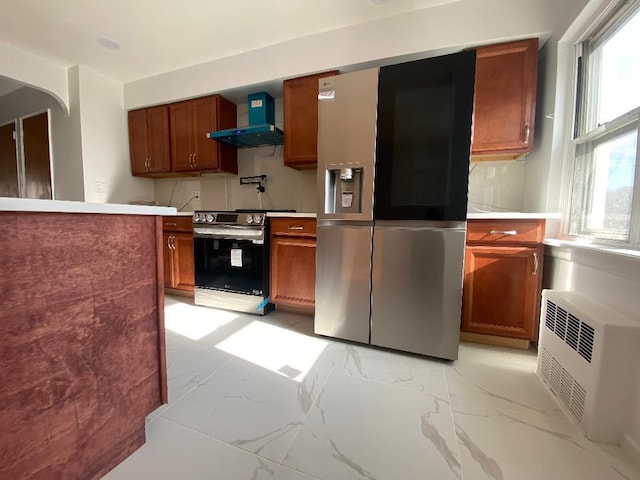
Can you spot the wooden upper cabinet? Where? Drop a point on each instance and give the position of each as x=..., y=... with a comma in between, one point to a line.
x=181, y=121
x=191, y=150
x=505, y=99
x=300, y=100
x=138, y=141
x=149, y=141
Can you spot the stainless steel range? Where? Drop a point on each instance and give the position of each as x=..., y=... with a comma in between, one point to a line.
x=231, y=257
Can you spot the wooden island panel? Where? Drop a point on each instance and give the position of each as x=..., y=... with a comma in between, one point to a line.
x=81, y=341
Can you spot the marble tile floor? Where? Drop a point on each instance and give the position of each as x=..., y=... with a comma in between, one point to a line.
x=262, y=398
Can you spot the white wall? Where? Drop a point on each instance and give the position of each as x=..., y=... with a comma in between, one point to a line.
x=37, y=72
x=105, y=142
x=444, y=28
x=544, y=164
x=65, y=136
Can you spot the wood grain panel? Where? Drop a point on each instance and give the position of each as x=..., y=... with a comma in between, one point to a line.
x=159, y=146
x=37, y=163
x=226, y=117
x=505, y=99
x=181, y=125
x=79, y=342
x=183, y=262
x=293, y=226
x=501, y=294
x=162, y=348
x=8, y=162
x=300, y=104
x=204, y=121
x=138, y=141
x=493, y=232
x=177, y=223
x=293, y=271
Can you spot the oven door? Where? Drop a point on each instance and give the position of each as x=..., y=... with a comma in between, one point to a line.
x=230, y=265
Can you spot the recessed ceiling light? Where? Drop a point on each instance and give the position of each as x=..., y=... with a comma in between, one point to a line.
x=110, y=44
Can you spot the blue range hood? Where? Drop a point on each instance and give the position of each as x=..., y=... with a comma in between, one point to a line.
x=261, y=130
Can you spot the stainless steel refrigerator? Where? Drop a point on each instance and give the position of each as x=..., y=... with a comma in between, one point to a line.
x=393, y=163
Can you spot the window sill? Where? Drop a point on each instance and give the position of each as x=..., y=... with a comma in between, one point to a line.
x=619, y=261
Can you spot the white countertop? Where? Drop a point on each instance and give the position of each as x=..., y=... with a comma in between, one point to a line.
x=291, y=214
x=512, y=216
x=183, y=214
x=64, y=206
x=470, y=216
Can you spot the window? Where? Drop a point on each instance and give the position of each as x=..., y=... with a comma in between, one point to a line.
x=605, y=198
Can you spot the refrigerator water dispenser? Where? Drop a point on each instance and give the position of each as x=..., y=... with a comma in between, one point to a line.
x=344, y=190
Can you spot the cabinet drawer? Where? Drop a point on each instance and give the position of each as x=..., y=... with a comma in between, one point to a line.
x=177, y=224
x=293, y=226
x=505, y=231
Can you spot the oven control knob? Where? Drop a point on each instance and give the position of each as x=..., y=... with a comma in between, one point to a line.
x=257, y=218
x=249, y=218
x=196, y=217
x=209, y=218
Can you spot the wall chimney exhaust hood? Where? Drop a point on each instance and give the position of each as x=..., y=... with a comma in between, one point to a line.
x=261, y=130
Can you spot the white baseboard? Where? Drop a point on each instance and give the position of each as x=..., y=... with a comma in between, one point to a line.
x=631, y=448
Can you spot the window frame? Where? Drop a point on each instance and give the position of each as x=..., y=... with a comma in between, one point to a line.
x=615, y=14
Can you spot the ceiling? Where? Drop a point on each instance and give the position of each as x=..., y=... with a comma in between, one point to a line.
x=157, y=36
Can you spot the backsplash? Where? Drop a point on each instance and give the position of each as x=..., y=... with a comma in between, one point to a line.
x=285, y=188
x=493, y=186
x=496, y=186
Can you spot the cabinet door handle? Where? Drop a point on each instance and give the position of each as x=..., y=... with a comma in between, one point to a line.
x=527, y=133
x=170, y=224
x=149, y=164
x=535, y=264
x=169, y=242
x=195, y=156
x=503, y=232
x=295, y=227
x=173, y=242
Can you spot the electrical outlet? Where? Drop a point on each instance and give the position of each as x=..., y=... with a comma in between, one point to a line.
x=196, y=193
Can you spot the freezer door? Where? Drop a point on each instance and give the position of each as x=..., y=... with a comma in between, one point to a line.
x=343, y=282
x=417, y=289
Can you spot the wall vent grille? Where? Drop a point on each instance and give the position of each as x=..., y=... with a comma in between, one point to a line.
x=583, y=351
x=579, y=335
x=563, y=385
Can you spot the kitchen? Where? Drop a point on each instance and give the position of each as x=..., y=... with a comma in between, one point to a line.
x=518, y=194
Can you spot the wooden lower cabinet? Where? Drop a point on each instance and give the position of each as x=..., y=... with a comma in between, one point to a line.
x=177, y=253
x=502, y=291
x=503, y=278
x=293, y=262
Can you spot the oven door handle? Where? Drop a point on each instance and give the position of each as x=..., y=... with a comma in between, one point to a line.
x=229, y=235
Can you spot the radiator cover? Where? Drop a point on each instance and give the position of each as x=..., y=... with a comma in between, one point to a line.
x=586, y=352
